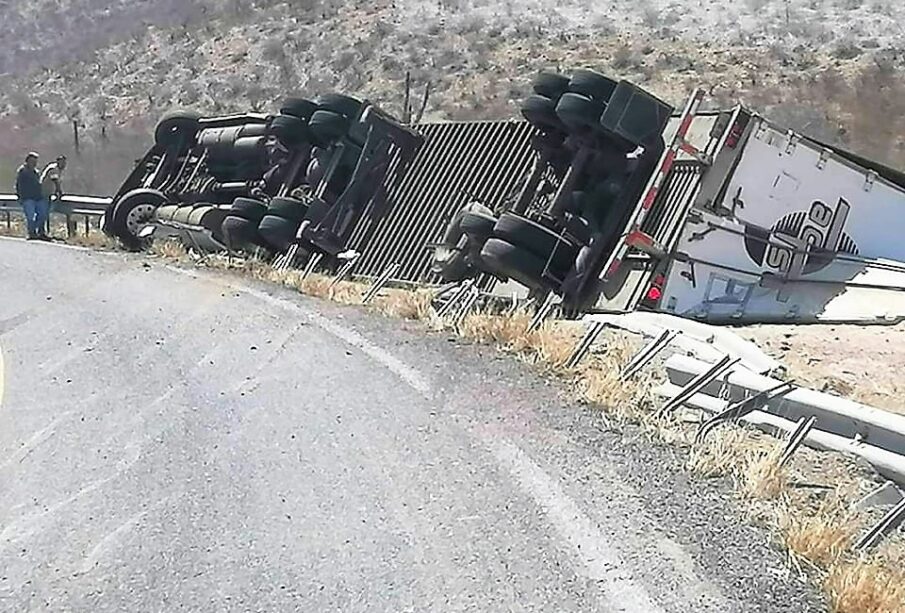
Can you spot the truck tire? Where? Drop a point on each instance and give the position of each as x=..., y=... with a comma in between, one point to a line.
x=300, y=108
x=239, y=232
x=248, y=208
x=593, y=85
x=327, y=127
x=131, y=212
x=346, y=106
x=478, y=226
x=579, y=113
x=278, y=232
x=453, y=259
x=579, y=229
x=317, y=210
x=540, y=111
x=290, y=209
x=212, y=220
x=550, y=85
x=289, y=130
x=505, y=260
x=176, y=127
x=635, y=116
x=535, y=238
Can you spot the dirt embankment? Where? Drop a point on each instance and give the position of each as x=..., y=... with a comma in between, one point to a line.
x=864, y=363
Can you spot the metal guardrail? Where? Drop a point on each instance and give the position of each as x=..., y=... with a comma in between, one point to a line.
x=842, y=425
x=85, y=205
x=69, y=206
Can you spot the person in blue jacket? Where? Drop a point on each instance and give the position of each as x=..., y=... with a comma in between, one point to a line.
x=31, y=198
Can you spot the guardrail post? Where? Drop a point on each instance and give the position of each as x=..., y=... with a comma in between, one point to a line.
x=647, y=354
x=313, y=262
x=344, y=271
x=584, y=345
x=460, y=292
x=380, y=282
x=544, y=312
x=697, y=384
x=796, y=439
x=890, y=522
x=467, y=306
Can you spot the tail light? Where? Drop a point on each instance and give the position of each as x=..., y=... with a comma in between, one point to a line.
x=655, y=291
x=654, y=294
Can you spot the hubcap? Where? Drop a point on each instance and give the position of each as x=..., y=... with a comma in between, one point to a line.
x=139, y=216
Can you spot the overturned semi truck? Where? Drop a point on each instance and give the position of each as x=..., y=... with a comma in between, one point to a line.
x=720, y=216
x=607, y=197
x=306, y=174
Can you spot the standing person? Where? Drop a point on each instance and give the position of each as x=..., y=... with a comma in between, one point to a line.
x=52, y=183
x=28, y=190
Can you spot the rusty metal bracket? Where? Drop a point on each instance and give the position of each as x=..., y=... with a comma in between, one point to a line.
x=544, y=312
x=797, y=438
x=584, y=345
x=345, y=270
x=313, y=262
x=380, y=282
x=647, y=353
x=890, y=522
x=459, y=294
x=698, y=383
x=740, y=409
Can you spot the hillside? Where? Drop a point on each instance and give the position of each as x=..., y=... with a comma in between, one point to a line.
x=831, y=68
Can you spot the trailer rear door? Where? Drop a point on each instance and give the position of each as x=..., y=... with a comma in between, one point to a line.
x=654, y=228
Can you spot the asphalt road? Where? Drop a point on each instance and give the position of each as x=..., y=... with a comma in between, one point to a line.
x=181, y=441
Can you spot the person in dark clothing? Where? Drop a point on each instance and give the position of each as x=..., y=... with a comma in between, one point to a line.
x=31, y=198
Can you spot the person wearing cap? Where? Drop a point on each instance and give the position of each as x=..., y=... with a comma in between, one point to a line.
x=52, y=180
x=31, y=197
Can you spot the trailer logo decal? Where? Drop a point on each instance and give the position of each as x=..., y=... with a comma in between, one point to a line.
x=802, y=242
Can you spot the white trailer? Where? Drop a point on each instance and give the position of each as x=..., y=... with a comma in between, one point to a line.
x=749, y=222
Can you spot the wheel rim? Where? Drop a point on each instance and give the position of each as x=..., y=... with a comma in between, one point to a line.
x=139, y=216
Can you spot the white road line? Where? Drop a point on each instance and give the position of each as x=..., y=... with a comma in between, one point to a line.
x=411, y=376
x=587, y=544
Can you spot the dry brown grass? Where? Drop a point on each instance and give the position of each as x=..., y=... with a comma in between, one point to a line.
x=599, y=384
x=822, y=536
x=762, y=476
x=507, y=331
x=405, y=304
x=721, y=454
x=551, y=345
x=95, y=239
x=16, y=226
x=170, y=249
x=866, y=585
